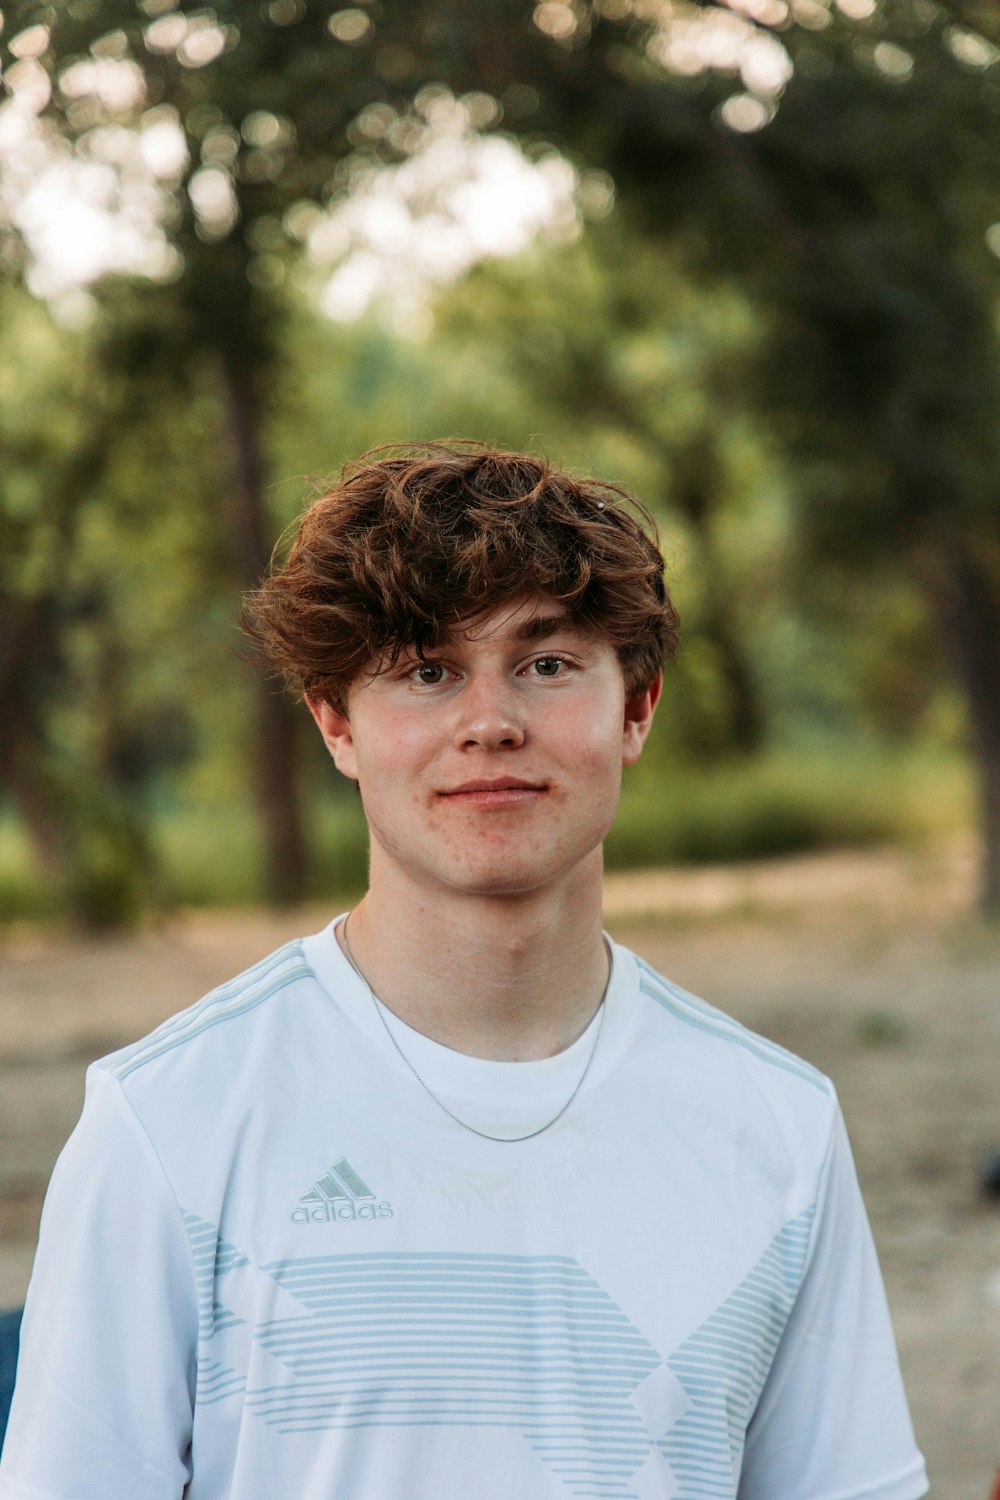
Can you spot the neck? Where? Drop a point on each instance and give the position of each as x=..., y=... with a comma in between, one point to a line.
x=504, y=977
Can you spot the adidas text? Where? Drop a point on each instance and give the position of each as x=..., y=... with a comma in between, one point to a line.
x=329, y=1213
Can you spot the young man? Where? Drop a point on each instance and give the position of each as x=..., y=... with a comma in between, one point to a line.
x=457, y=1199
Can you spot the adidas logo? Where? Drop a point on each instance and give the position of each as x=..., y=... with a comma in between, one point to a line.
x=339, y=1195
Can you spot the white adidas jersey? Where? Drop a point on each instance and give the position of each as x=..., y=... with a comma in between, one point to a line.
x=271, y=1266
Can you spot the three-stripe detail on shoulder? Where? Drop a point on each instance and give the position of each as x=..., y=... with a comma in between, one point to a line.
x=697, y=1013
x=285, y=966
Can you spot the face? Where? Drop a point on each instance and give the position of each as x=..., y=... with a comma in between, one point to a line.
x=494, y=765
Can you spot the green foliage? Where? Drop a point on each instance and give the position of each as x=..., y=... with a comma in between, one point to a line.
x=214, y=858
x=25, y=895
x=107, y=882
x=109, y=552
x=785, y=805
x=154, y=707
x=783, y=338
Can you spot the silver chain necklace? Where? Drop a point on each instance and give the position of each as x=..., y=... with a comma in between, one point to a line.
x=506, y=1139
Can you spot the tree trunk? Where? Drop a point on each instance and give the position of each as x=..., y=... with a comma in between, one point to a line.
x=696, y=484
x=33, y=670
x=27, y=649
x=964, y=595
x=277, y=760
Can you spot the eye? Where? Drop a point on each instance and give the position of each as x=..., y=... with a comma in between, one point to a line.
x=430, y=673
x=548, y=666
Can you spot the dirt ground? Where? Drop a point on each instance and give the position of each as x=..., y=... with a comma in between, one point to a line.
x=870, y=965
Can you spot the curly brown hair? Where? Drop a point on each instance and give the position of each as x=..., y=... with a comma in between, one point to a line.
x=411, y=540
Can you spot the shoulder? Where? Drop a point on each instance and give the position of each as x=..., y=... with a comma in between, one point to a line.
x=197, y=1030
x=725, y=1037
x=771, y=1106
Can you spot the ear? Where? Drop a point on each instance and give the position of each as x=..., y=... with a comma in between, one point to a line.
x=335, y=727
x=638, y=720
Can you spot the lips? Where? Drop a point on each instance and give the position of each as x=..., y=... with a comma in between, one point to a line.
x=501, y=784
x=502, y=792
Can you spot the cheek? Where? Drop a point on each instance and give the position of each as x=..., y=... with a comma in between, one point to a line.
x=591, y=738
x=391, y=755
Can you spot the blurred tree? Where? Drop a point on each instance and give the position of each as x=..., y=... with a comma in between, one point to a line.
x=59, y=430
x=46, y=469
x=246, y=160
x=876, y=188
x=267, y=107
x=839, y=162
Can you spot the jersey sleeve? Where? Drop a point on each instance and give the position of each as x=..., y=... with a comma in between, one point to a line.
x=832, y=1422
x=103, y=1400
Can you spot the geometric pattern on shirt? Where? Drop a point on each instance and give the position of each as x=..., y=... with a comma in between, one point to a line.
x=213, y=1257
x=442, y=1339
x=527, y=1342
x=723, y=1366
x=216, y=1382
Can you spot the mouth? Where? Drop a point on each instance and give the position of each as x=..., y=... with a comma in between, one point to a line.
x=504, y=791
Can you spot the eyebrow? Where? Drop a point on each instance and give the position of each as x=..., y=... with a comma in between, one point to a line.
x=541, y=626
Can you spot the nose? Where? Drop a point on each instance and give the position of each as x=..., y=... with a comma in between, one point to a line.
x=489, y=714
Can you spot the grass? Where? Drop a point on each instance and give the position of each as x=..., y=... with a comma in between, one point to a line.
x=771, y=806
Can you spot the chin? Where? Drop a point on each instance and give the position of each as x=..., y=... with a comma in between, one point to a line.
x=500, y=883
x=515, y=877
